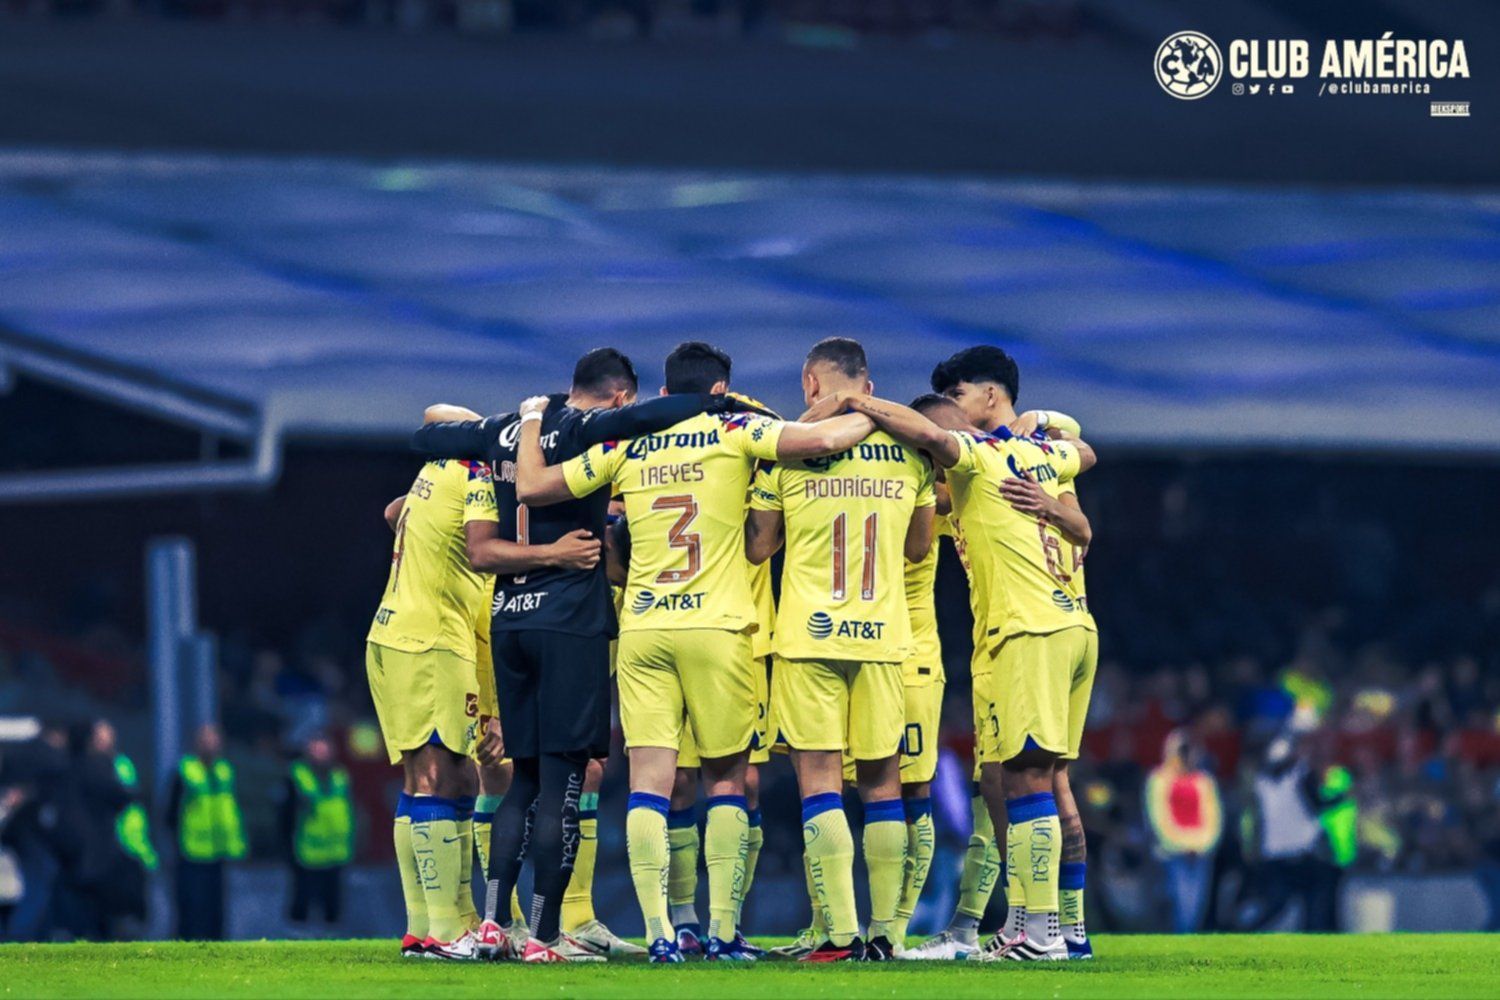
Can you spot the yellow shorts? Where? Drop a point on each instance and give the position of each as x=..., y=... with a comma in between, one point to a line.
x=919, y=740
x=1040, y=687
x=760, y=746
x=419, y=694
x=672, y=677
x=839, y=705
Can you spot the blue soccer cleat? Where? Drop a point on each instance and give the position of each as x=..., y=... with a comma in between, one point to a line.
x=689, y=939
x=664, y=951
x=719, y=950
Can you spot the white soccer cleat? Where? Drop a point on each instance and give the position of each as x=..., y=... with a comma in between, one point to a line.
x=519, y=934
x=804, y=944
x=603, y=940
x=1023, y=949
x=946, y=946
x=464, y=948
x=564, y=949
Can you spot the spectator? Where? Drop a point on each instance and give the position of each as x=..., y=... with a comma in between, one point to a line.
x=1183, y=808
x=210, y=831
x=318, y=827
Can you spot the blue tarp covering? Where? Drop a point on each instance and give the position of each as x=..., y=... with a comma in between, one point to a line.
x=339, y=297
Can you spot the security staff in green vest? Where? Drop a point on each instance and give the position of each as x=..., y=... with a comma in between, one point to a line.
x=1338, y=815
x=317, y=822
x=209, y=831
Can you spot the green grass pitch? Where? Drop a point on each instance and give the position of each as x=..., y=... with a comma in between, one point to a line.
x=1398, y=965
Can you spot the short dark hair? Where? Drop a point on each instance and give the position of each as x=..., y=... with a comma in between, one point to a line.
x=929, y=401
x=695, y=366
x=979, y=364
x=605, y=370
x=845, y=354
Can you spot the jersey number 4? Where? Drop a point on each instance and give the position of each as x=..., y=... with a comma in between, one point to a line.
x=678, y=537
x=841, y=558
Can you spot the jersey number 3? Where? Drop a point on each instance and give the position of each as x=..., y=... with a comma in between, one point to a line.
x=678, y=537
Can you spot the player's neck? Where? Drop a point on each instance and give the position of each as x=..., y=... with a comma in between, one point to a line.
x=1001, y=416
x=580, y=401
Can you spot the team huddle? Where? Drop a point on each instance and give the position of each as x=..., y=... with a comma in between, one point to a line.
x=587, y=535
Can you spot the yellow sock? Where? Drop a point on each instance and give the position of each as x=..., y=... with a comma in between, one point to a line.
x=981, y=864
x=885, y=863
x=819, y=924
x=646, y=837
x=484, y=828
x=726, y=839
x=578, y=901
x=411, y=879
x=1036, y=834
x=753, y=844
x=830, y=855
x=921, y=842
x=1070, y=893
x=466, y=911
x=517, y=915
x=684, y=842
x=435, y=842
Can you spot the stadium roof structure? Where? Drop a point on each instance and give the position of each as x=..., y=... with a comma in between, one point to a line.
x=272, y=299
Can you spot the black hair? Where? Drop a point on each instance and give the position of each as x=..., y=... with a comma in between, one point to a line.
x=979, y=364
x=695, y=366
x=605, y=370
x=847, y=355
x=929, y=401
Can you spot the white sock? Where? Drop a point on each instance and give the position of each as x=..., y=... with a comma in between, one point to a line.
x=1042, y=929
x=1076, y=933
x=682, y=914
x=965, y=928
x=1015, y=921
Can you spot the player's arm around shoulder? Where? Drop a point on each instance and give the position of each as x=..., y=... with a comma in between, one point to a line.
x=537, y=483
x=909, y=427
x=826, y=437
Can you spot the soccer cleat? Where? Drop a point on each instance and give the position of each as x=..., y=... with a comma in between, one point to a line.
x=854, y=951
x=564, y=949
x=604, y=941
x=744, y=944
x=1022, y=949
x=944, y=947
x=664, y=951
x=880, y=949
x=413, y=947
x=688, y=940
x=804, y=943
x=519, y=934
x=1077, y=937
x=464, y=948
x=495, y=943
x=719, y=950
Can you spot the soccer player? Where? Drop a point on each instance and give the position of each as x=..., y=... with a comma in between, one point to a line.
x=1037, y=625
x=843, y=631
x=684, y=649
x=553, y=621
x=420, y=656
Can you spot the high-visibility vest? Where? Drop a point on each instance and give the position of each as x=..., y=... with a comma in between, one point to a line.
x=132, y=827
x=1340, y=816
x=209, y=826
x=324, y=836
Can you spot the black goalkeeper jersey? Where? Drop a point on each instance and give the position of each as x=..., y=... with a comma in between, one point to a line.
x=559, y=600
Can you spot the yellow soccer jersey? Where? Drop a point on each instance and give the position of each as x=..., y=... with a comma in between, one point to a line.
x=433, y=599
x=842, y=592
x=684, y=493
x=765, y=609
x=1026, y=576
x=921, y=606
